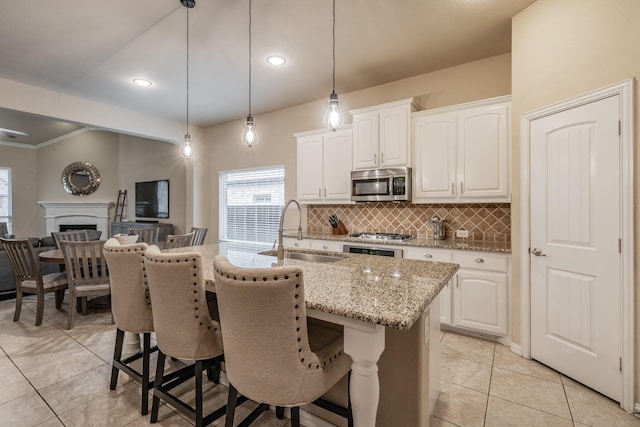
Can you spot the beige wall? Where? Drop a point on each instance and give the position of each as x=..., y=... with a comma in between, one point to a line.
x=221, y=145
x=121, y=160
x=146, y=160
x=562, y=49
x=23, y=164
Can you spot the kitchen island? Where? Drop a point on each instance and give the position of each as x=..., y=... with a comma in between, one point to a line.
x=367, y=295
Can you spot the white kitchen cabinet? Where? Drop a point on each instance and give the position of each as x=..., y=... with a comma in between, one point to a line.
x=461, y=153
x=476, y=297
x=293, y=243
x=381, y=135
x=324, y=166
x=436, y=255
x=479, y=297
x=325, y=245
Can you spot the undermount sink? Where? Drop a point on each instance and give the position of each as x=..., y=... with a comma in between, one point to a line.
x=306, y=256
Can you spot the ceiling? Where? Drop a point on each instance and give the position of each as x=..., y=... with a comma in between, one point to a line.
x=93, y=49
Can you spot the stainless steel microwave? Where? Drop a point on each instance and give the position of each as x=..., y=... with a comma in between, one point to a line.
x=379, y=185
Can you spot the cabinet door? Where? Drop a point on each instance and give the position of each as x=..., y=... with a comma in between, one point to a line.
x=337, y=166
x=394, y=137
x=310, y=168
x=434, y=141
x=365, y=140
x=483, y=152
x=480, y=301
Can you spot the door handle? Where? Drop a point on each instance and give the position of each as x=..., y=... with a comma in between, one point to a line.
x=375, y=159
x=381, y=158
x=537, y=252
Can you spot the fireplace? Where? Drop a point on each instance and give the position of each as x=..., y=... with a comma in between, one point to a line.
x=69, y=227
x=77, y=215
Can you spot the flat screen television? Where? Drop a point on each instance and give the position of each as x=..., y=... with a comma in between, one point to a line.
x=152, y=199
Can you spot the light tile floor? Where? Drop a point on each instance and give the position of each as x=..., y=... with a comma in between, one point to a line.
x=54, y=377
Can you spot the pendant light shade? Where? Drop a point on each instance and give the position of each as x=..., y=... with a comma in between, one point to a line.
x=249, y=132
x=333, y=118
x=186, y=149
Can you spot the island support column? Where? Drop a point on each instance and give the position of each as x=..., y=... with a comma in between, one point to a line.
x=364, y=343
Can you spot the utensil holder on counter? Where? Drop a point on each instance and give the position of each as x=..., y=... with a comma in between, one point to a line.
x=342, y=229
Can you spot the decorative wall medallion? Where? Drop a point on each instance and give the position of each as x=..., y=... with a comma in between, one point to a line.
x=80, y=178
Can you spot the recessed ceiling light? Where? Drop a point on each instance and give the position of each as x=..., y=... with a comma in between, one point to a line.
x=276, y=60
x=142, y=82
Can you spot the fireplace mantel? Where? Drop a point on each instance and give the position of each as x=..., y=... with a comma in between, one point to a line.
x=69, y=213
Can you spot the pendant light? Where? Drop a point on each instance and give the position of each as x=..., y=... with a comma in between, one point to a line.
x=250, y=133
x=333, y=118
x=186, y=149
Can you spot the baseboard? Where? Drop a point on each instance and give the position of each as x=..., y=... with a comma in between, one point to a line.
x=515, y=348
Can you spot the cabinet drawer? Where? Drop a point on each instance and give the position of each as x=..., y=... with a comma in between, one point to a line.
x=481, y=261
x=326, y=245
x=292, y=242
x=428, y=254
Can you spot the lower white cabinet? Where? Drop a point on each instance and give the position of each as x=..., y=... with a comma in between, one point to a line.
x=292, y=242
x=326, y=245
x=476, y=298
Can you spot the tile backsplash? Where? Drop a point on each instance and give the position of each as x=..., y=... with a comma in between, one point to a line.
x=484, y=221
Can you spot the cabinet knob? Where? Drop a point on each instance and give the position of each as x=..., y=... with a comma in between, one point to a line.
x=296, y=244
x=428, y=256
x=325, y=247
x=479, y=260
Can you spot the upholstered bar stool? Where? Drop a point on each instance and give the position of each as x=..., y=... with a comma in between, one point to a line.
x=131, y=308
x=271, y=355
x=184, y=329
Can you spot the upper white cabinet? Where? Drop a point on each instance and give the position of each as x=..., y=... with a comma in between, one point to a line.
x=461, y=153
x=381, y=135
x=324, y=166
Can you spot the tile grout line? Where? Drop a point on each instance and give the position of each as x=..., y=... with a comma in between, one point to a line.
x=486, y=408
x=33, y=387
x=564, y=391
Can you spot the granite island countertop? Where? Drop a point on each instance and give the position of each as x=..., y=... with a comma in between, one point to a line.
x=391, y=292
x=419, y=242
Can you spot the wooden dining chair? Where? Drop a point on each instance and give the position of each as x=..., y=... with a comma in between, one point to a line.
x=29, y=278
x=178, y=240
x=272, y=354
x=69, y=236
x=145, y=234
x=198, y=235
x=87, y=272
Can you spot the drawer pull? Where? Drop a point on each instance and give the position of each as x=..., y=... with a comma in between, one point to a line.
x=479, y=260
x=428, y=256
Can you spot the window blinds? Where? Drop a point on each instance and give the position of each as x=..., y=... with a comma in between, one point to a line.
x=250, y=204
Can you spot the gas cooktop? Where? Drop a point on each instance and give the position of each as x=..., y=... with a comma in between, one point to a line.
x=382, y=236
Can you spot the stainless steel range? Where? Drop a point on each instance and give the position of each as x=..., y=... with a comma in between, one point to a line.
x=377, y=250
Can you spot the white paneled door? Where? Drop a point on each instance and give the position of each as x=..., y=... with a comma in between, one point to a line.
x=575, y=255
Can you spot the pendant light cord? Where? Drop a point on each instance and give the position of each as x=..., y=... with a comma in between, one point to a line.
x=249, y=58
x=334, y=46
x=187, y=71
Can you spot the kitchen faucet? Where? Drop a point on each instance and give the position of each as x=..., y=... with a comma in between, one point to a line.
x=281, y=227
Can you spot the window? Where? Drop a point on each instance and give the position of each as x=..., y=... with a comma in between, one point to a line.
x=250, y=204
x=5, y=197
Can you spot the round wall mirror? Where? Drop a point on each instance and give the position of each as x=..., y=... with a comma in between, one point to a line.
x=80, y=178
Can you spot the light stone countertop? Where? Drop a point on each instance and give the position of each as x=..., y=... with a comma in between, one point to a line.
x=392, y=292
x=419, y=242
